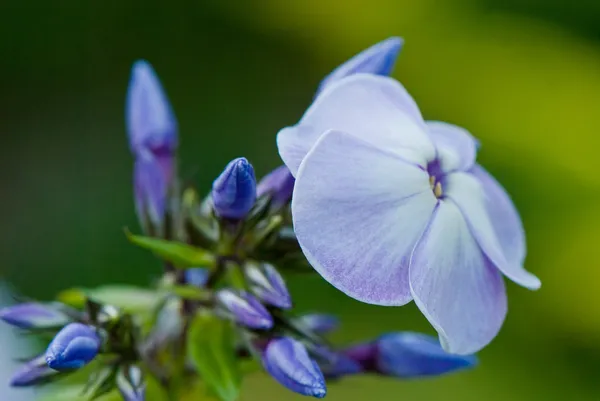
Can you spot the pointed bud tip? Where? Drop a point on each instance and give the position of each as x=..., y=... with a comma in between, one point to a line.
x=268, y=285
x=73, y=347
x=234, y=191
x=288, y=362
x=409, y=354
x=245, y=309
x=378, y=59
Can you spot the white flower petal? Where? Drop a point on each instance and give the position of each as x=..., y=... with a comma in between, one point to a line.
x=358, y=211
x=455, y=286
x=468, y=193
x=375, y=108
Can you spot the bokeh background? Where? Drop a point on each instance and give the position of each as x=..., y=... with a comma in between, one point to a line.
x=522, y=75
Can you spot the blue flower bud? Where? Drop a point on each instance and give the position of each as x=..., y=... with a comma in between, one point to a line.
x=130, y=383
x=378, y=59
x=287, y=360
x=152, y=177
x=268, y=285
x=408, y=355
x=319, y=323
x=197, y=276
x=33, y=316
x=33, y=372
x=245, y=309
x=73, y=347
x=234, y=191
x=151, y=123
x=279, y=184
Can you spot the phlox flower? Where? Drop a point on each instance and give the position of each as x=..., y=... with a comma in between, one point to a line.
x=390, y=208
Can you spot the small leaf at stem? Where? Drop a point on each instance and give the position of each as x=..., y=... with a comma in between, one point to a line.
x=180, y=254
x=212, y=348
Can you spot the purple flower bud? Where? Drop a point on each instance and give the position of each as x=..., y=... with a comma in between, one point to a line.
x=33, y=372
x=33, y=316
x=279, y=184
x=151, y=123
x=378, y=59
x=234, y=191
x=287, y=360
x=268, y=285
x=197, y=276
x=245, y=309
x=319, y=323
x=408, y=355
x=73, y=347
x=152, y=177
x=341, y=365
x=130, y=383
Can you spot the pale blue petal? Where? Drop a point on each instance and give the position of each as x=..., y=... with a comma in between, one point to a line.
x=378, y=59
x=358, y=211
x=504, y=217
x=468, y=193
x=454, y=284
x=374, y=108
x=456, y=148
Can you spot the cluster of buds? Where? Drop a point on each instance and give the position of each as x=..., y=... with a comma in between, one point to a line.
x=95, y=333
x=222, y=300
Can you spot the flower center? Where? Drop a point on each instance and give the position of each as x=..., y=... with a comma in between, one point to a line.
x=436, y=186
x=436, y=177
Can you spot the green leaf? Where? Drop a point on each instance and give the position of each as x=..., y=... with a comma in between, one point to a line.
x=127, y=297
x=180, y=254
x=211, y=346
x=188, y=292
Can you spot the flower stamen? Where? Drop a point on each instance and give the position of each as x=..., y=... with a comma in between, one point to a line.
x=437, y=190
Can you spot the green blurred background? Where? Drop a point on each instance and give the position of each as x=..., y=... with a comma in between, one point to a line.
x=522, y=75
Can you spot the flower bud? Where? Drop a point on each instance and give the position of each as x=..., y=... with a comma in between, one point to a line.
x=151, y=123
x=378, y=59
x=33, y=372
x=288, y=362
x=234, y=191
x=279, y=184
x=152, y=177
x=408, y=355
x=319, y=323
x=130, y=383
x=33, y=316
x=197, y=276
x=245, y=309
x=73, y=347
x=268, y=285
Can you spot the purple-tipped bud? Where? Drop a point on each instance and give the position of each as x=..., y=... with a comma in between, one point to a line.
x=152, y=176
x=287, y=360
x=245, y=309
x=408, y=355
x=279, y=184
x=197, y=276
x=268, y=285
x=33, y=372
x=319, y=323
x=130, y=382
x=151, y=123
x=234, y=191
x=378, y=59
x=73, y=347
x=33, y=316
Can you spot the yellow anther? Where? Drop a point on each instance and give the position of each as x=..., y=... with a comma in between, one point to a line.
x=437, y=191
x=431, y=181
